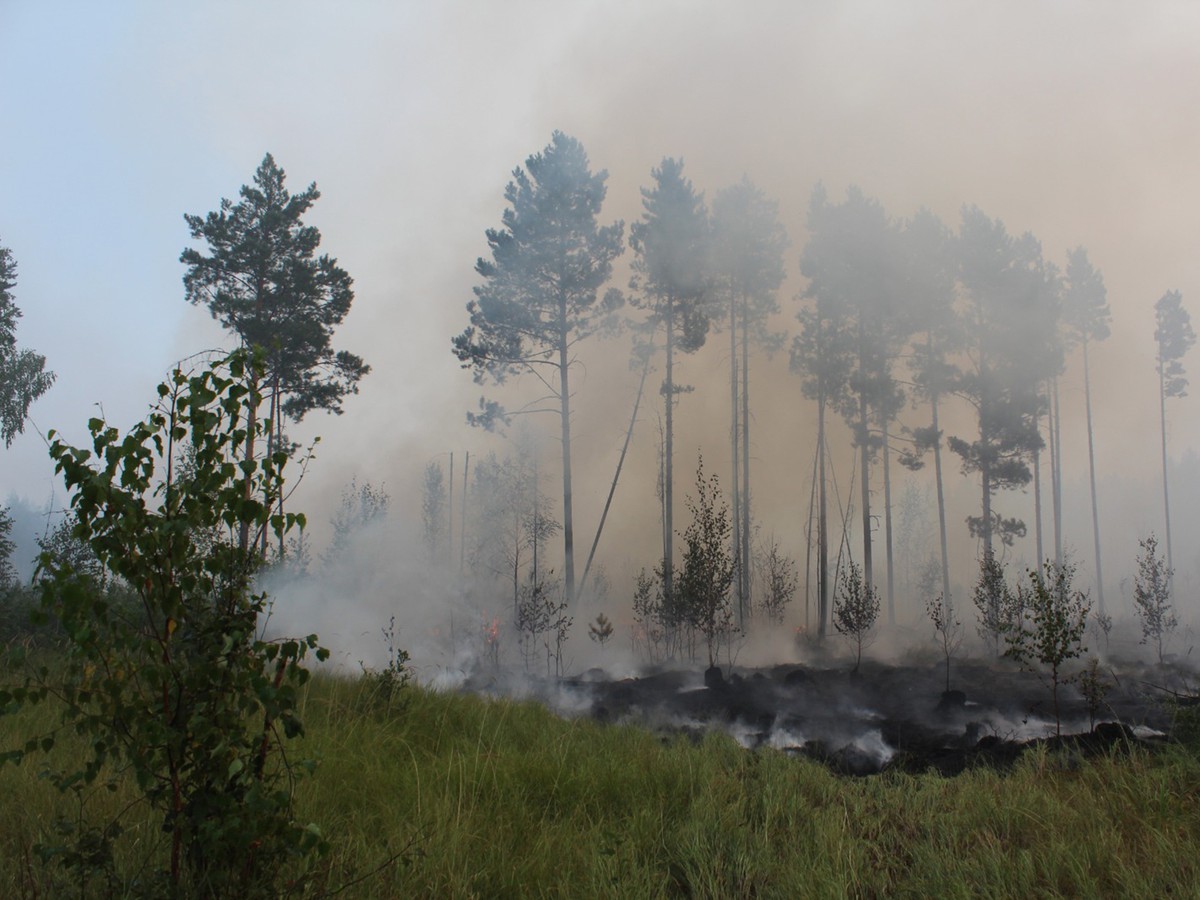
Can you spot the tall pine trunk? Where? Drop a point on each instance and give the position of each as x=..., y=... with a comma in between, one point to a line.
x=1162, y=417
x=668, y=454
x=1087, y=396
x=745, y=512
x=735, y=440
x=1056, y=473
x=1037, y=494
x=822, y=517
x=564, y=369
x=887, y=529
x=941, y=502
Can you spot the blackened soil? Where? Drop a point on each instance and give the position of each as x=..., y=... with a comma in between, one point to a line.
x=886, y=716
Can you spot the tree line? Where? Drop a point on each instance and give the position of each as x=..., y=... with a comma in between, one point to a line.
x=896, y=313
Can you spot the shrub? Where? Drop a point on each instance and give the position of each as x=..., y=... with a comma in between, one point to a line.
x=179, y=690
x=1049, y=630
x=855, y=610
x=1152, y=596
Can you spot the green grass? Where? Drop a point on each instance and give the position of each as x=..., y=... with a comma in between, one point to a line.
x=456, y=796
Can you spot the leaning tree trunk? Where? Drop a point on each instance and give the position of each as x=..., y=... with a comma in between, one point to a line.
x=587, y=567
x=1087, y=396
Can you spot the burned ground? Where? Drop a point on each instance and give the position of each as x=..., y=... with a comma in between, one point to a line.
x=885, y=716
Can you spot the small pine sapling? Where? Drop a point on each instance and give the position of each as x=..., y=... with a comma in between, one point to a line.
x=949, y=629
x=601, y=630
x=1152, y=596
x=855, y=611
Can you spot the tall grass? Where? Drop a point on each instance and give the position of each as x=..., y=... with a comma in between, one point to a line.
x=458, y=796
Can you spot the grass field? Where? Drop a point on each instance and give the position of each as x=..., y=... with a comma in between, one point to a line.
x=457, y=796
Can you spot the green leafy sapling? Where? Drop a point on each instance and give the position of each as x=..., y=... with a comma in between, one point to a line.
x=855, y=611
x=1152, y=596
x=1049, y=632
x=179, y=688
x=949, y=630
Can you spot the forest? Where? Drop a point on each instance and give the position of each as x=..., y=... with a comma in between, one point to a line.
x=926, y=357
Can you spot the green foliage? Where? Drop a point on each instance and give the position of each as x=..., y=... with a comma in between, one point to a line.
x=177, y=690
x=947, y=627
x=386, y=686
x=433, y=510
x=1174, y=336
x=1049, y=630
x=1094, y=687
x=361, y=506
x=780, y=580
x=23, y=374
x=855, y=610
x=1152, y=596
x=707, y=574
x=1011, y=300
x=263, y=281
x=601, y=631
x=549, y=260
x=996, y=605
x=8, y=573
x=469, y=797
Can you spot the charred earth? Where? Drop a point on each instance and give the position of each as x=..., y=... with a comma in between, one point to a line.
x=881, y=717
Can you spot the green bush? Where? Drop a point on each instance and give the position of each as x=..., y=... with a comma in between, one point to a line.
x=173, y=685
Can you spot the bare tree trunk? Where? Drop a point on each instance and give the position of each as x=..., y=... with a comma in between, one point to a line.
x=1037, y=493
x=822, y=517
x=865, y=465
x=1056, y=473
x=1162, y=415
x=450, y=516
x=887, y=529
x=941, y=501
x=1087, y=396
x=668, y=460
x=745, y=512
x=739, y=561
x=565, y=400
x=462, y=525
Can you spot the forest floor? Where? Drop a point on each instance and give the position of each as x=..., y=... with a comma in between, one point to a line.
x=883, y=716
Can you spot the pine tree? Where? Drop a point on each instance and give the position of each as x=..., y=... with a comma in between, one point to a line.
x=748, y=245
x=1010, y=313
x=263, y=281
x=670, y=283
x=540, y=295
x=1086, y=314
x=23, y=373
x=1174, y=337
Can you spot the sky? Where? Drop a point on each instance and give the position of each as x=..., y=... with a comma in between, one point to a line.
x=1073, y=120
